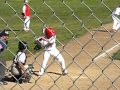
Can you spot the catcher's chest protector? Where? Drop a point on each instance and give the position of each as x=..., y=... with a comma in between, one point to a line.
x=2, y=68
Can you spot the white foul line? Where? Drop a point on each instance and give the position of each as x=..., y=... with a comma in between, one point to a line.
x=103, y=54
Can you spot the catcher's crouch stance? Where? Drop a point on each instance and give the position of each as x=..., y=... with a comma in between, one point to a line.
x=18, y=68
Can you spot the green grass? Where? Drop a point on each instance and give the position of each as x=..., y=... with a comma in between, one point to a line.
x=63, y=17
x=116, y=55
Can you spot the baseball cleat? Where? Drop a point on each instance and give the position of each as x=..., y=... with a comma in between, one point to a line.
x=26, y=29
x=64, y=72
x=40, y=74
x=113, y=31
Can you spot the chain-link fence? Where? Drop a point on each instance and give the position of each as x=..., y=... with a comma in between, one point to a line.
x=83, y=38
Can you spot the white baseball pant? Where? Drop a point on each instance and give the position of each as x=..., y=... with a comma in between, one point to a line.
x=116, y=22
x=53, y=52
x=26, y=23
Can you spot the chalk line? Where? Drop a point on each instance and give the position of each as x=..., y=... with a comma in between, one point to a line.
x=103, y=54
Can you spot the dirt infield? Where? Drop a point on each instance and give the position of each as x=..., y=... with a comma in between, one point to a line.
x=90, y=68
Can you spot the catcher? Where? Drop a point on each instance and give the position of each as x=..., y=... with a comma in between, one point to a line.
x=3, y=45
x=19, y=69
x=48, y=41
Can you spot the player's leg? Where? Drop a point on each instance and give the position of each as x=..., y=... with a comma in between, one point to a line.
x=16, y=73
x=57, y=54
x=118, y=24
x=26, y=23
x=115, y=22
x=44, y=63
x=25, y=19
x=2, y=71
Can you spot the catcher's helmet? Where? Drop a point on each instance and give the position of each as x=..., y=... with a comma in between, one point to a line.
x=22, y=45
x=49, y=32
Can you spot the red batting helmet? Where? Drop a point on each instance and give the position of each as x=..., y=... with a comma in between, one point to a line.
x=49, y=32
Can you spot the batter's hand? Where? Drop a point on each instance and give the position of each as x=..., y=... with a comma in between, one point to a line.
x=41, y=38
x=37, y=44
x=23, y=14
x=37, y=47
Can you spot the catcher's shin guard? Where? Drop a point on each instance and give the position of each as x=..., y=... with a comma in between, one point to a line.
x=28, y=73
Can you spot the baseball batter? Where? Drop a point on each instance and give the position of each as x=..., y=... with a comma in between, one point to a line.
x=116, y=19
x=26, y=15
x=49, y=43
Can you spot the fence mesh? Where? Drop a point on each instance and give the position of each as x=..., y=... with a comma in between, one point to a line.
x=88, y=58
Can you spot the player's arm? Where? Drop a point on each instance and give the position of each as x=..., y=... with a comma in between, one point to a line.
x=21, y=66
x=38, y=44
x=1, y=48
x=51, y=41
x=21, y=61
x=23, y=10
x=3, y=45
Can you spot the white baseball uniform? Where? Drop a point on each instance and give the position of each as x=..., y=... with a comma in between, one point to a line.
x=50, y=49
x=20, y=57
x=26, y=11
x=116, y=20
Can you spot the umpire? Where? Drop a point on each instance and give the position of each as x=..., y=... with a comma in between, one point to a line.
x=3, y=45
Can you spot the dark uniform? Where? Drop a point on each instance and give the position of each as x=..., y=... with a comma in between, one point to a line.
x=3, y=46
